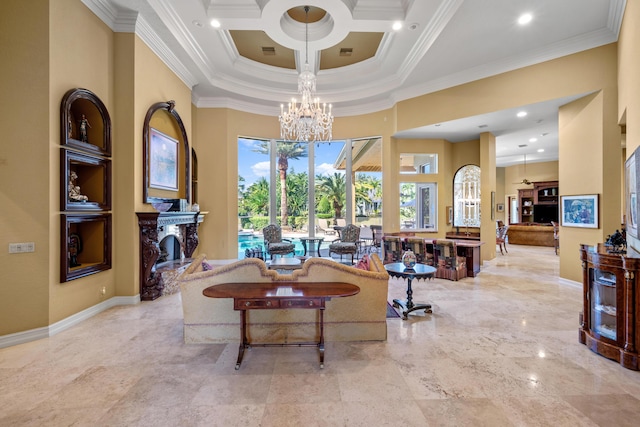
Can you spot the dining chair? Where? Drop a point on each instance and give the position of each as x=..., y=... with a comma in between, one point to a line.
x=501, y=238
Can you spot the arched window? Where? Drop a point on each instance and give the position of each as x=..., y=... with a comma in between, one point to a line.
x=466, y=197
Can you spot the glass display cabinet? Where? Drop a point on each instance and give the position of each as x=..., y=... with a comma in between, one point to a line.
x=608, y=323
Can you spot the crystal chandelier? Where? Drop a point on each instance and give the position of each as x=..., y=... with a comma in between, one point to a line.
x=306, y=121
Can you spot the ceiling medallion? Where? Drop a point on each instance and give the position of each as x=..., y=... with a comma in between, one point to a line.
x=307, y=121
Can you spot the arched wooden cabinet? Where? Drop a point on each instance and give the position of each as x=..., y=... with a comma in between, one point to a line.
x=609, y=324
x=85, y=185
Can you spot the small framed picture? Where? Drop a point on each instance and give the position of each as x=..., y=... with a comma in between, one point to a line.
x=579, y=211
x=449, y=214
x=500, y=207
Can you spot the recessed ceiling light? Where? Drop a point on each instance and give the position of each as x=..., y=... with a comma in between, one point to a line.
x=414, y=26
x=521, y=114
x=525, y=19
x=215, y=23
x=533, y=139
x=397, y=25
x=540, y=150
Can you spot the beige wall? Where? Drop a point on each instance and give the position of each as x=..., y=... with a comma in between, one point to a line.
x=582, y=127
x=629, y=75
x=629, y=85
x=25, y=179
x=49, y=57
x=81, y=56
x=580, y=73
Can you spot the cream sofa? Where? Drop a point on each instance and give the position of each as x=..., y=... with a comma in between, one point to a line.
x=361, y=317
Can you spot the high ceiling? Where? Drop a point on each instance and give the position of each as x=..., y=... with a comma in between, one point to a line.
x=250, y=63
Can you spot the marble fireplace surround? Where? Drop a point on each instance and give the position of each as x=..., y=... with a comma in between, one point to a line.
x=155, y=226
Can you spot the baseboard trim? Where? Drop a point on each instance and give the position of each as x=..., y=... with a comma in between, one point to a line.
x=64, y=324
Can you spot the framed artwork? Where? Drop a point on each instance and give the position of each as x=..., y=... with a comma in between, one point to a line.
x=631, y=196
x=579, y=211
x=500, y=207
x=493, y=205
x=449, y=214
x=163, y=161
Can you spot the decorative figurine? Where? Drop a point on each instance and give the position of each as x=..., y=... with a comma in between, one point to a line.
x=616, y=243
x=75, y=247
x=74, y=190
x=84, y=124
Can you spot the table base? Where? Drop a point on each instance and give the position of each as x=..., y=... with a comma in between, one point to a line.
x=245, y=344
x=408, y=307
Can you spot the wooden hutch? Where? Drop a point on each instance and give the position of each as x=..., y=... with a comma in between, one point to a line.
x=609, y=321
x=543, y=193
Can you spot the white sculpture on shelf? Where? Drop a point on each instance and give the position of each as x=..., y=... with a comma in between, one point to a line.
x=74, y=190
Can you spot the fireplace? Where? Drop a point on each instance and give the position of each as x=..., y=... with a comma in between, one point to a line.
x=165, y=237
x=170, y=249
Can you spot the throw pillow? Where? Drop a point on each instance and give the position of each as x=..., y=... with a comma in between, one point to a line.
x=363, y=264
x=206, y=266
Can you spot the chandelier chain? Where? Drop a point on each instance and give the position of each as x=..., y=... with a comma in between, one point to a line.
x=307, y=121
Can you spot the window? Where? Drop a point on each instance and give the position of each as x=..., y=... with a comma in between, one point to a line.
x=466, y=197
x=418, y=206
x=295, y=184
x=411, y=163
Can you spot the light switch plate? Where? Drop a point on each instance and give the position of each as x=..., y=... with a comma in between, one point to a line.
x=20, y=248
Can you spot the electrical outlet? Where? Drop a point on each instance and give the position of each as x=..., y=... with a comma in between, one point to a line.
x=20, y=248
x=103, y=291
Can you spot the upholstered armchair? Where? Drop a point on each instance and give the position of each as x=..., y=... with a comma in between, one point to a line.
x=419, y=246
x=449, y=264
x=392, y=246
x=347, y=243
x=274, y=244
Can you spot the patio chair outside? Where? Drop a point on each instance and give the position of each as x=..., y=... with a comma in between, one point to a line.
x=347, y=243
x=274, y=244
x=377, y=236
x=324, y=226
x=366, y=236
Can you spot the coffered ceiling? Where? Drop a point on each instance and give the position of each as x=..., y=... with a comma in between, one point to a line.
x=363, y=65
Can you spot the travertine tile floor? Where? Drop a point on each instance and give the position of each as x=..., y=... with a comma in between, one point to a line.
x=499, y=350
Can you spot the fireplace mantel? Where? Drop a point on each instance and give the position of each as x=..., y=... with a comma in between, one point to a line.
x=155, y=224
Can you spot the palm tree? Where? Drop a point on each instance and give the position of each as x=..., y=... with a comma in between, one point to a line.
x=334, y=187
x=256, y=198
x=285, y=151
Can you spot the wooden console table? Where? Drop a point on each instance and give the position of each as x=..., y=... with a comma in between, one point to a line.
x=281, y=295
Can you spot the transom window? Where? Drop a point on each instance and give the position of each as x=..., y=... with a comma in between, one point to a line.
x=413, y=163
